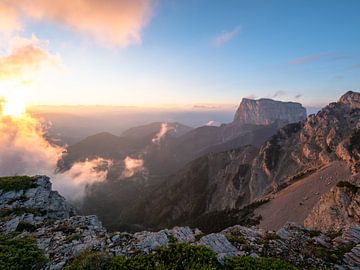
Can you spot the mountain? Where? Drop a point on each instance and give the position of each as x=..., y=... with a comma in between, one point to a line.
x=39, y=230
x=286, y=170
x=266, y=111
x=181, y=144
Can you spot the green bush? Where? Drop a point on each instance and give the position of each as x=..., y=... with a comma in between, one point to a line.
x=20, y=253
x=250, y=263
x=173, y=257
x=89, y=260
x=16, y=183
x=25, y=226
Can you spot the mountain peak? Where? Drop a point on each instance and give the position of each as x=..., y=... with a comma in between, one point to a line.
x=266, y=111
x=351, y=98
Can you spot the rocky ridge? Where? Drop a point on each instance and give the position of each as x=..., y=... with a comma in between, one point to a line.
x=62, y=236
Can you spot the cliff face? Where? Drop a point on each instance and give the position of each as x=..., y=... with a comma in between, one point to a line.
x=336, y=209
x=267, y=111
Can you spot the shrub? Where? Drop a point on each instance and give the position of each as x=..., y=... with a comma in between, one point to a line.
x=348, y=185
x=16, y=183
x=20, y=253
x=89, y=260
x=250, y=263
x=25, y=226
x=173, y=257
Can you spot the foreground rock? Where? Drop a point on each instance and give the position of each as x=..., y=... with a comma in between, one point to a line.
x=34, y=205
x=62, y=236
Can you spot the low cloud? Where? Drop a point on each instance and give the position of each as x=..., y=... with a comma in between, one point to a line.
x=72, y=183
x=225, y=37
x=112, y=22
x=212, y=124
x=279, y=94
x=252, y=96
x=25, y=151
x=132, y=166
x=164, y=129
x=25, y=58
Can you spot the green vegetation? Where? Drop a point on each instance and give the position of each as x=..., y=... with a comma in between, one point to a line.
x=89, y=260
x=5, y=212
x=25, y=226
x=16, y=183
x=250, y=263
x=348, y=185
x=174, y=256
x=332, y=255
x=20, y=253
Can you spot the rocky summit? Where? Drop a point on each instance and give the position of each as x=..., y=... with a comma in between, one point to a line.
x=35, y=210
x=267, y=111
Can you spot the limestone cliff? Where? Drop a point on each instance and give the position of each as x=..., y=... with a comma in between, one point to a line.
x=267, y=111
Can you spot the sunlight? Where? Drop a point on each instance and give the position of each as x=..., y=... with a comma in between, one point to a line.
x=14, y=104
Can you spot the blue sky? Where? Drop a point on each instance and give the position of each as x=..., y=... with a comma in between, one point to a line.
x=307, y=51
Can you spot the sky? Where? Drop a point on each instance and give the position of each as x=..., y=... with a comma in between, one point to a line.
x=173, y=52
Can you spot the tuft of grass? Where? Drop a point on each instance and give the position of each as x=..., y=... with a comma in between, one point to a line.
x=16, y=183
x=5, y=212
x=89, y=260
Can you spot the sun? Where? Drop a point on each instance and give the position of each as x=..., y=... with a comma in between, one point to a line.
x=14, y=105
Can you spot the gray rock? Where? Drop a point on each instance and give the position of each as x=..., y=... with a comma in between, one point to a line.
x=220, y=245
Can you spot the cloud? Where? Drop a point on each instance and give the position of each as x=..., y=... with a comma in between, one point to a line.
x=355, y=66
x=212, y=123
x=72, y=183
x=25, y=58
x=279, y=93
x=165, y=128
x=111, y=22
x=9, y=20
x=317, y=57
x=132, y=166
x=252, y=96
x=25, y=151
x=225, y=37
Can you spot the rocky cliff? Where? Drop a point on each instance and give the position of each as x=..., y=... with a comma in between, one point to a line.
x=267, y=111
x=63, y=236
x=224, y=181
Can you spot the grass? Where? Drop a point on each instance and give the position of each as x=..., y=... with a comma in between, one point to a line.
x=173, y=257
x=5, y=212
x=16, y=183
x=250, y=263
x=20, y=253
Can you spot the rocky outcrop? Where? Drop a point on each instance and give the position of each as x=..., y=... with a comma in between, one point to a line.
x=267, y=111
x=336, y=209
x=35, y=205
